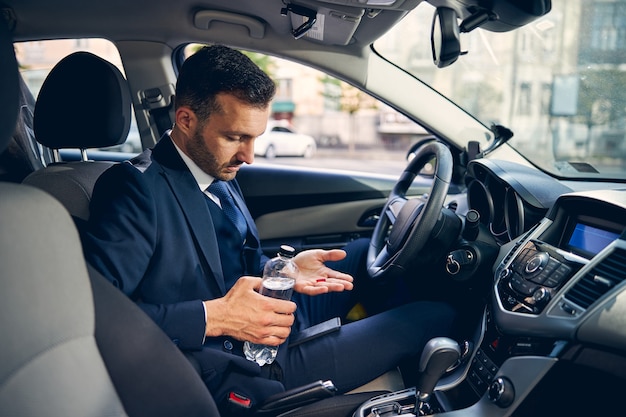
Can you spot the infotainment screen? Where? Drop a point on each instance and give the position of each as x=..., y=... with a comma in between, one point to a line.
x=589, y=240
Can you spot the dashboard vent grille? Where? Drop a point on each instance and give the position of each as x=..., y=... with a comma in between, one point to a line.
x=509, y=255
x=599, y=280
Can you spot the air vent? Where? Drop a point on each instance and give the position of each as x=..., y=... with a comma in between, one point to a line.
x=599, y=280
x=509, y=255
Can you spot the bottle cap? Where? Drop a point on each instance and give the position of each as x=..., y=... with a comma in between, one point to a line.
x=287, y=250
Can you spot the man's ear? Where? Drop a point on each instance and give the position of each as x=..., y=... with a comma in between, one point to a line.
x=186, y=119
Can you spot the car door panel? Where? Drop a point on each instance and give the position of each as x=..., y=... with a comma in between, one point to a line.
x=308, y=208
x=324, y=226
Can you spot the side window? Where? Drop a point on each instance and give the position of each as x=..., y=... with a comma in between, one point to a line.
x=37, y=59
x=344, y=124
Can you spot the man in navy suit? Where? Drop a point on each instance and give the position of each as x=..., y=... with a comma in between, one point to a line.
x=161, y=237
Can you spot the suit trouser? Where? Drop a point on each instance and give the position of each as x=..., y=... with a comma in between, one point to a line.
x=363, y=350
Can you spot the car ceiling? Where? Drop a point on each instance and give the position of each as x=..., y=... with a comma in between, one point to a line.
x=175, y=22
x=172, y=22
x=350, y=27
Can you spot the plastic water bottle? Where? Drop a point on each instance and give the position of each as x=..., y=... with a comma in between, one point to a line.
x=279, y=277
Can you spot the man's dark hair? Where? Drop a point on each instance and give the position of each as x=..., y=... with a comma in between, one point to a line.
x=219, y=69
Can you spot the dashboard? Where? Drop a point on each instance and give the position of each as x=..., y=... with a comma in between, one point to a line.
x=566, y=267
x=560, y=277
x=561, y=250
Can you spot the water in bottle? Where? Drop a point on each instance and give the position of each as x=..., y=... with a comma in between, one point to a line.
x=278, y=280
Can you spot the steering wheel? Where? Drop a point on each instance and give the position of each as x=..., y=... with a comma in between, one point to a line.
x=400, y=238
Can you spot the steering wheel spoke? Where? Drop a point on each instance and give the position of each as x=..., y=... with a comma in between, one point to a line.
x=405, y=222
x=394, y=208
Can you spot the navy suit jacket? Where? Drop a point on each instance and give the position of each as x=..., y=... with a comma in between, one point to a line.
x=150, y=232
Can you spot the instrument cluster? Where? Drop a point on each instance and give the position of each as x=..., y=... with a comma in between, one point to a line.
x=510, y=198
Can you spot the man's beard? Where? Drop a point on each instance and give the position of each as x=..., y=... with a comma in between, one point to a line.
x=202, y=156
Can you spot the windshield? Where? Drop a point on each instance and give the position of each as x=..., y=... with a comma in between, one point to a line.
x=557, y=83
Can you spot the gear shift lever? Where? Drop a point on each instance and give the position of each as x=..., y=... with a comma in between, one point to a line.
x=439, y=354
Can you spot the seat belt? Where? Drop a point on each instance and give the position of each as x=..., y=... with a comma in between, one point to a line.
x=159, y=103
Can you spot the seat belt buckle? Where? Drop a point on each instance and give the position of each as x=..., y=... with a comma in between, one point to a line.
x=239, y=401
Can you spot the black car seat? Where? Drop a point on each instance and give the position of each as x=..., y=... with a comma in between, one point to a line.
x=83, y=103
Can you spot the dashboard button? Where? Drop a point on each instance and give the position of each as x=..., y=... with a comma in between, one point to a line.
x=539, y=279
x=564, y=269
x=541, y=296
x=522, y=286
x=554, y=280
x=569, y=309
x=478, y=383
x=536, y=263
x=501, y=392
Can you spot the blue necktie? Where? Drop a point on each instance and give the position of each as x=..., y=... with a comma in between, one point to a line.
x=232, y=212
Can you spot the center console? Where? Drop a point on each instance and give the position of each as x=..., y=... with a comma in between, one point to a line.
x=534, y=276
x=499, y=371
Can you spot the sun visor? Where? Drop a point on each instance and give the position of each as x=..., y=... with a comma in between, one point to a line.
x=330, y=26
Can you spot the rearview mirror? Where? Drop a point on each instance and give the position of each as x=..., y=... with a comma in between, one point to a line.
x=444, y=38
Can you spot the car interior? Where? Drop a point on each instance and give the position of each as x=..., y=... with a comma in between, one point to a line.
x=531, y=253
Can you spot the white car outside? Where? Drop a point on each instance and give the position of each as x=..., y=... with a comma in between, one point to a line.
x=280, y=140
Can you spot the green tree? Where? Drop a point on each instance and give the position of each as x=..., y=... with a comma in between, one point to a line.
x=265, y=62
x=346, y=98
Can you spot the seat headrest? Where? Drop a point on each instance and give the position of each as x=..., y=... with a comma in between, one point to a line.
x=9, y=86
x=83, y=103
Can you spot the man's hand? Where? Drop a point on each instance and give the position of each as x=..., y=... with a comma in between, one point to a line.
x=315, y=277
x=245, y=314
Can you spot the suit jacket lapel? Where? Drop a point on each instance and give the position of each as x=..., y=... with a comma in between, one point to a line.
x=193, y=205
